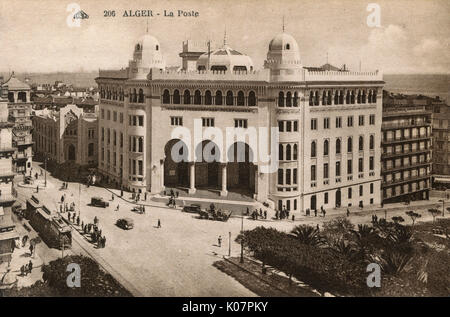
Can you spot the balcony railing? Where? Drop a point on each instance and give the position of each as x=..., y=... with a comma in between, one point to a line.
x=403, y=139
x=405, y=180
x=404, y=153
x=404, y=167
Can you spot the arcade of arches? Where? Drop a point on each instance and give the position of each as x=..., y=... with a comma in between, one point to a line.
x=207, y=171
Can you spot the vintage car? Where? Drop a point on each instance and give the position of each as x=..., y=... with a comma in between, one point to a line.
x=193, y=208
x=125, y=223
x=99, y=202
x=220, y=215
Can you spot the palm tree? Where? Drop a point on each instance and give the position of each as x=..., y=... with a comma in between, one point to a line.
x=307, y=235
x=393, y=262
x=365, y=238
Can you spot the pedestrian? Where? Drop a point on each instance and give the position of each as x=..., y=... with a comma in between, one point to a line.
x=60, y=209
x=348, y=212
x=95, y=220
x=37, y=189
x=30, y=266
x=318, y=229
x=78, y=220
x=315, y=212
x=104, y=241
x=31, y=249
x=159, y=223
x=260, y=212
x=22, y=270
x=248, y=212
x=62, y=199
x=219, y=240
x=112, y=197
x=265, y=214
x=276, y=214
x=117, y=208
x=145, y=195
x=324, y=212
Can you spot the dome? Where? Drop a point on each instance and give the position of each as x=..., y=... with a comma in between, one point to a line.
x=147, y=53
x=225, y=59
x=283, y=50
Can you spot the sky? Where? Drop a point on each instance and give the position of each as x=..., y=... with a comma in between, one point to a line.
x=413, y=36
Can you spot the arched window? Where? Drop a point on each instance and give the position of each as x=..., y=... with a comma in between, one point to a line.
x=240, y=99
x=176, y=97
x=166, y=97
x=311, y=98
x=295, y=156
x=141, y=96
x=229, y=98
x=324, y=98
x=371, y=142
x=338, y=146
x=364, y=96
x=329, y=97
x=130, y=96
x=349, y=144
x=352, y=98
x=208, y=98
x=326, y=147
x=134, y=95
x=316, y=98
x=369, y=96
x=187, y=97
x=280, y=152
x=218, y=100
x=336, y=97
x=341, y=97
x=251, y=99
x=288, y=152
x=295, y=99
x=358, y=98
x=374, y=96
x=361, y=143
x=157, y=47
x=313, y=149
x=288, y=46
x=288, y=99
x=281, y=99
x=197, y=97
x=347, y=97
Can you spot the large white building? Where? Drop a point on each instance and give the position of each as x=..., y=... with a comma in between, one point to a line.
x=329, y=125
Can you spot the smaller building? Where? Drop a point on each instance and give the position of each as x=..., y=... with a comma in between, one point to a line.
x=66, y=135
x=441, y=144
x=406, y=148
x=19, y=109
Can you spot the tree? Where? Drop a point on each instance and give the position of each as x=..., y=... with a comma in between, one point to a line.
x=398, y=219
x=413, y=215
x=337, y=230
x=307, y=235
x=434, y=213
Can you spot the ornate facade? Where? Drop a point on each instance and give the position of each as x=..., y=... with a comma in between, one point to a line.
x=329, y=125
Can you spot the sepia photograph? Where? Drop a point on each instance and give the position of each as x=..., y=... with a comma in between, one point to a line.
x=225, y=154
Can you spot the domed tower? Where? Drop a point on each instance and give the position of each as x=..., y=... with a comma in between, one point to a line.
x=147, y=54
x=283, y=58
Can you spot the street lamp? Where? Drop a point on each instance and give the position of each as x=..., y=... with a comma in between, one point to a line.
x=242, y=239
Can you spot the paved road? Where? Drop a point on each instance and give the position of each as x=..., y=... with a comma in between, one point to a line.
x=175, y=260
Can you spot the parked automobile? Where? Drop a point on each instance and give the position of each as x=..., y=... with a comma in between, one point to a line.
x=193, y=208
x=125, y=223
x=99, y=202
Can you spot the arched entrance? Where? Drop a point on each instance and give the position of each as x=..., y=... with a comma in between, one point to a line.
x=207, y=160
x=240, y=169
x=338, y=198
x=71, y=153
x=176, y=166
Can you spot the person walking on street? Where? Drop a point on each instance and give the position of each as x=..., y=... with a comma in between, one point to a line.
x=31, y=249
x=348, y=212
x=315, y=212
x=30, y=266
x=117, y=208
x=159, y=223
x=265, y=214
x=112, y=197
x=219, y=241
x=37, y=189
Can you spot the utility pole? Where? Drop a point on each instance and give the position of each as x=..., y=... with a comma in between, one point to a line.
x=242, y=239
x=45, y=175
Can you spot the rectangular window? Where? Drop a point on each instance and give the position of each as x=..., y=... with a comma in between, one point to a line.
x=281, y=126
x=313, y=124
x=325, y=198
x=240, y=123
x=313, y=172
x=349, y=167
x=140, y=167
x=176, y=121
x=361, y=190
x=141, y=121
x=326, y=123
x=296, y=126
x=108, y=115
x=371, y=163
x=372, y=119
x=103, y=113
x=280, y=176
x=325, y=170
x=350, y=121
x=103, y=134
x=288, y=176
x=361, y=120
x=121, y=117
x=338, y=168
x=338, y=122
x=115, y=116
x=288, y=126
x=349, y=193
x=121, y=139
x=360, y=165
x=371, y=188
x=294, y=176
x=207, y=122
